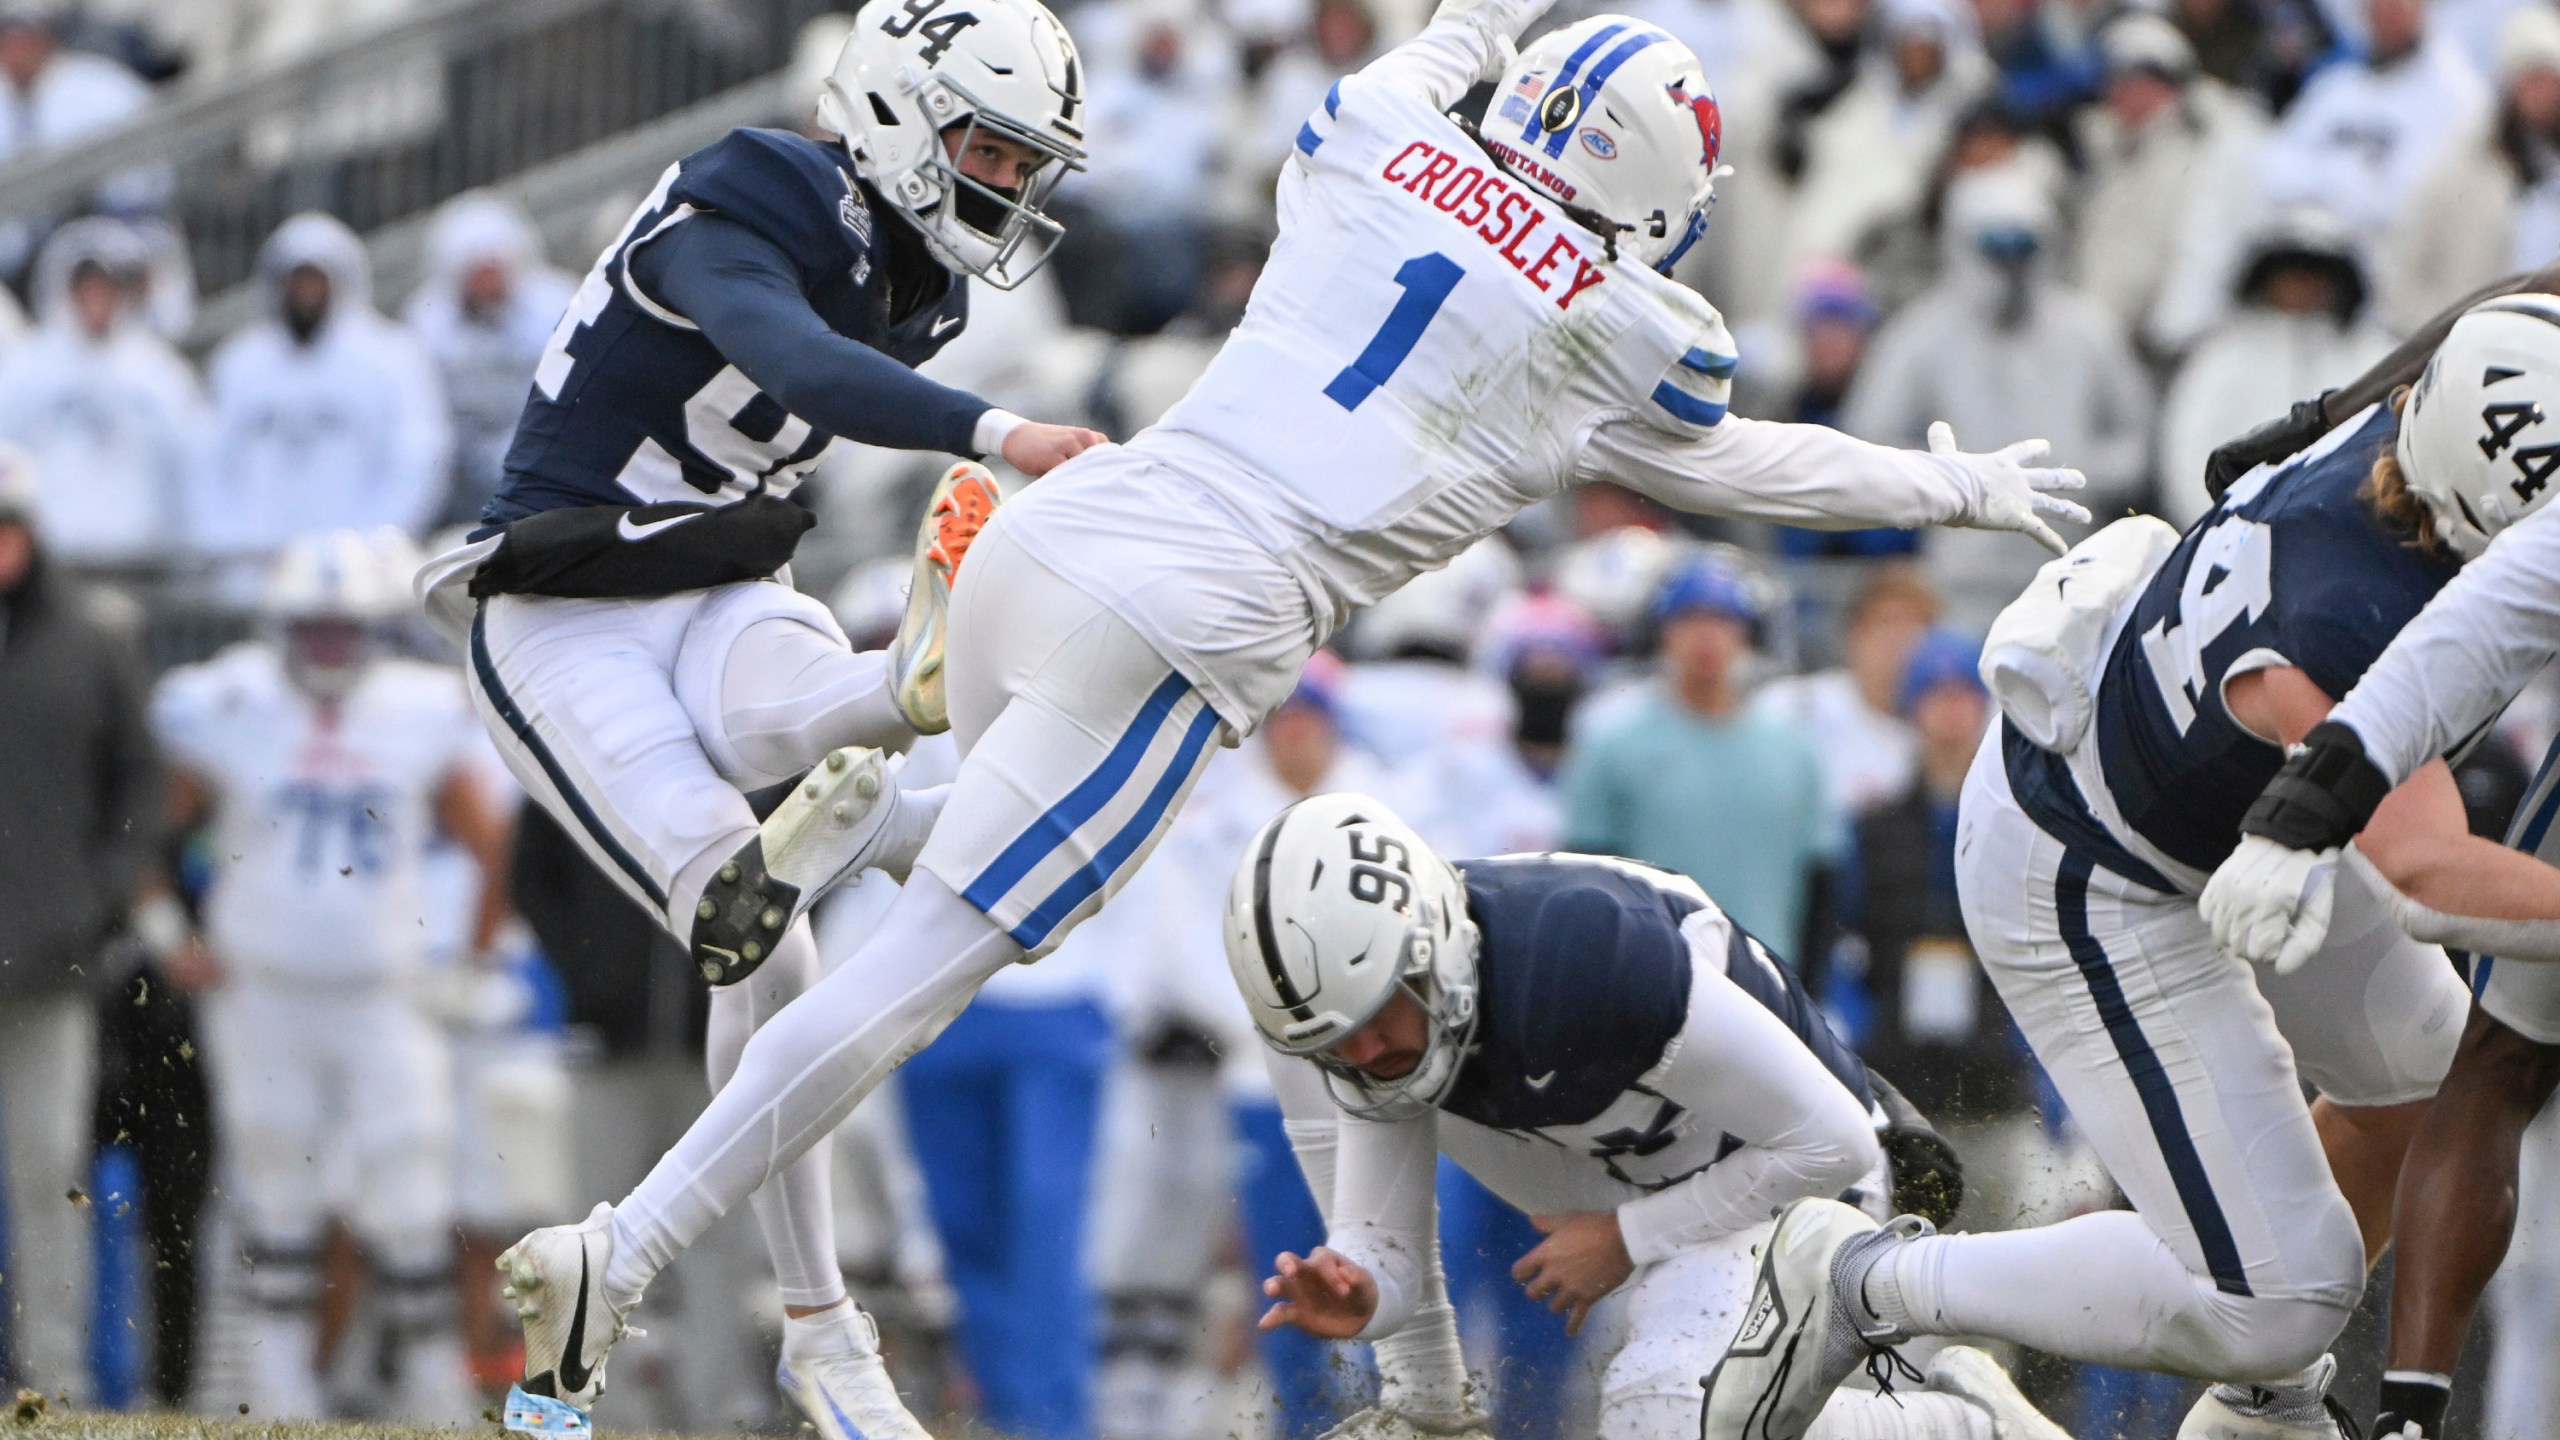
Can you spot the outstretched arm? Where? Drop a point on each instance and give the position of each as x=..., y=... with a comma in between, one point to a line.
x=1466, y=41
x=1814, y=476
x=741, y=290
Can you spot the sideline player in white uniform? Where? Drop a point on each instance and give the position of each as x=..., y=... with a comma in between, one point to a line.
x=326, y=767
x=635, y=648
x=1153, y=597
x=1602, y=1047
x=2081, y=853
x=2444, y=679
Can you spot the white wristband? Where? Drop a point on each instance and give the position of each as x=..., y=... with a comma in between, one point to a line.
x=994, y=428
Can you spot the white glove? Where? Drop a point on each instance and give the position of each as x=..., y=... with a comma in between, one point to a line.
x=1376, y=1423
x=2269, y=904
x=2013, y=490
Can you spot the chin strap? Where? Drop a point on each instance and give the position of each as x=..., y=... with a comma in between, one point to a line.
x=1589, y=219
x=2325, y=793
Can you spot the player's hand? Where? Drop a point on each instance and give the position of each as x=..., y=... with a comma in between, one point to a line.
x=1036, y=449
x=1583, y=1258
x=1324, y=1295
x=2269, y=904
x=2016, y=492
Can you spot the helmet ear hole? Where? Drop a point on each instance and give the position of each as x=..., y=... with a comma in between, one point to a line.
x=880, y=110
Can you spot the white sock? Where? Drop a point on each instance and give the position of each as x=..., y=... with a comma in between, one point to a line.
x=1903, y=1415
x=837, y=1331
x=804, y=1070
x=909, y=827
x=795, y=1211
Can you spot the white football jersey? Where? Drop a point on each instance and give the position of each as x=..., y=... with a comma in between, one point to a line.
x=321, y=815
x=1430, y=349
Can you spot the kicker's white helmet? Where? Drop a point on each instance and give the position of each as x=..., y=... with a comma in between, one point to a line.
x=328, y=598
x=1336, y=905
x=2480, y=435
x=1614, y=117
x=913, y=69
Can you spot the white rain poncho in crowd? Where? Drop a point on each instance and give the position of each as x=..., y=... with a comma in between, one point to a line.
x=114, y=417
x=485, y=352
x=346, y=429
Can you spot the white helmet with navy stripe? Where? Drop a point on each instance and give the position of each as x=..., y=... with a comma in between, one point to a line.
x=915, y=69
x=1613, y=117
x=1337, y=905
x=2480, y=435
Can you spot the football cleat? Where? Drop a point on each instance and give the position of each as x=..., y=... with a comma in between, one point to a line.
x=848, y=1395
x=1379, y=1423
x=963, y=500
x=2267, y=1412
x=1799, y=1339
x=829, y=826
x=555, y=1277
x=1972, y=1375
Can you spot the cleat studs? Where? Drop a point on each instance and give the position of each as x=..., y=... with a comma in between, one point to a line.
x=729, y=873
x=838, y=760
x=866, y=786
x=705, y=910
x=811, y=790
x=711, y=971
x=771, y=919
x=751, y=950
x=842, y=814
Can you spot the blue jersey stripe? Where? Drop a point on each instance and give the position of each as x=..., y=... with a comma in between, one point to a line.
x=1082, y=803
x=1308, y=139
x=1090, y=877
x=1599, y=76
x=1333, y=100
x=1687, y=406
x=513, y=714
x=1572, y=66
x=1711, y=364
x=2150, y=1078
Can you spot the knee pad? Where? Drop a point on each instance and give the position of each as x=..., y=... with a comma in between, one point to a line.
x=701, y=674
x=2261, y=1338
x=2376, y=1020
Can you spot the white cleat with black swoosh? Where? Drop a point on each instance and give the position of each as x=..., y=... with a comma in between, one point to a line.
x=555, y=1278
x=844, y=1389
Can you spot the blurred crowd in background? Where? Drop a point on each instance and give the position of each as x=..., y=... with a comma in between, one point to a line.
x=2133, y=230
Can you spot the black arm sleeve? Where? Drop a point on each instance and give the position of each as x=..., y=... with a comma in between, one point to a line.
x=743, y=292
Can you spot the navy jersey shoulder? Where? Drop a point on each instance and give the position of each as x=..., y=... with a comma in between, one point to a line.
x=1583, y=979
x=2291, y=568
x=631, y=404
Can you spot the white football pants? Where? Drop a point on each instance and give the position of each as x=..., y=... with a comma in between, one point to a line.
x=2240, y=1259
x=639, y=724
x=1078, y=743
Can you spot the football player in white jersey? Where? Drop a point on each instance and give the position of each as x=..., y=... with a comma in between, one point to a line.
x=325, y=768
x=1599, y=1044
x=1451, y=327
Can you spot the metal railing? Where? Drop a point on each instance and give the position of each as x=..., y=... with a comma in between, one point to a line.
x=386, y=122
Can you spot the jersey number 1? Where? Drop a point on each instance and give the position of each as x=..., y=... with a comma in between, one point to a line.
x=1427, y=281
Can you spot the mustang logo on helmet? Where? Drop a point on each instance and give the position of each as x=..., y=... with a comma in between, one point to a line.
x=1710, y=122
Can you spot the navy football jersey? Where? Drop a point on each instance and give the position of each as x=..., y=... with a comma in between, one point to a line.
x=2290, y=568
x=632, y=405
x=1582, y=979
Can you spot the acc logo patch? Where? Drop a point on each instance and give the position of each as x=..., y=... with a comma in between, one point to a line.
x=1599, y=144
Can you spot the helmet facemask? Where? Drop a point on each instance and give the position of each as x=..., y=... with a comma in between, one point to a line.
x=326, y=656
x=992, y=234
x=1437, y=971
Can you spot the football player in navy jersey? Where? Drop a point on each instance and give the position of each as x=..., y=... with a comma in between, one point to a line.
x=2083, y=849
x=1597, y=1042
x=635, y=648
